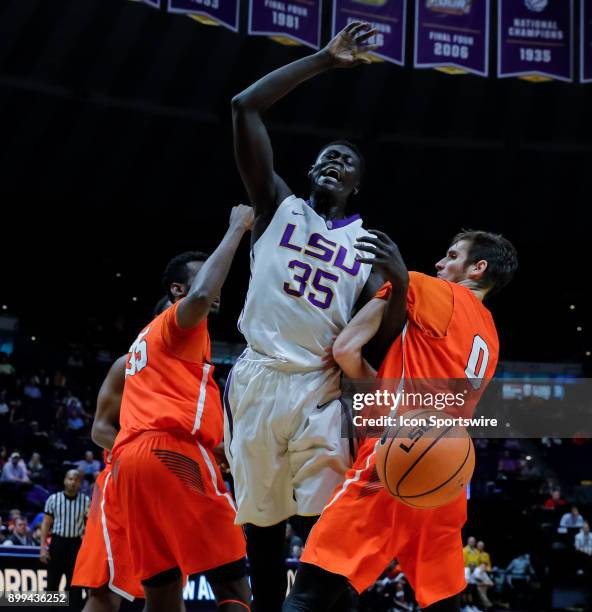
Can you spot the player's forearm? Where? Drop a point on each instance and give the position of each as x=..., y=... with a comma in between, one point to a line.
x=268, y=90
x=355, y=367
x=208, y=283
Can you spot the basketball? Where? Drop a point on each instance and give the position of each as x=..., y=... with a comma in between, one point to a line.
x=425, y=465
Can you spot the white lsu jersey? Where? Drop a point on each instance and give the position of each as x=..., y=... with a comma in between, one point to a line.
x=304, y=284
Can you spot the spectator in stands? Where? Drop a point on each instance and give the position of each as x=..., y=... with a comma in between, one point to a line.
x=555, y=501
x=519, y=570
x=6, y=368
x=14, y=470
x=32, y=389
x=89, y=466
x=59, y=380
x=470, y=595
x=2, y=531
x=75, y=414
x=291, y=540
x=484, y=583
x=36, y=469
x=4, y=408
x=484, y=557
x=571, y=520
x=75, y=359
x=507, y=466
x=583, y=540
x=471, y=552
x=296, y=553
x=400, y=600
x=20, y=535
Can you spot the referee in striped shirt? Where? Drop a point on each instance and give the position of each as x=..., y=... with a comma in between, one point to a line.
x=65, y=516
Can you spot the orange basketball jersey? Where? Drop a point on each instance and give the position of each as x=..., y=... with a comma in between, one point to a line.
x=169, y=383
x=450, y=335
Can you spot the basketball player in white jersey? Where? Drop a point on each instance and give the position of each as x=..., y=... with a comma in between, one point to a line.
x=283, y=416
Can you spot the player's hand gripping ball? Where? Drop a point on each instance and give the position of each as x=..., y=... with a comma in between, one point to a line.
x=425, y=466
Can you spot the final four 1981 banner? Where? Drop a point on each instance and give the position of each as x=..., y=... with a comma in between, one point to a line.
x=387, y=16
x=223, y=12
x=452, y=33
x=298, y=21
x=535, y=39
x=586, y=41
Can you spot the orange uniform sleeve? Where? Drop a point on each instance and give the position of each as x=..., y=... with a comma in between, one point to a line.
x=430, y=303
x=191, y=344
x=384, y=292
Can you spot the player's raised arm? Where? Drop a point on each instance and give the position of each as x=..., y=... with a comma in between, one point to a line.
x=252, y=146
x=106, y=423
x=388, y=262
x=208, y=282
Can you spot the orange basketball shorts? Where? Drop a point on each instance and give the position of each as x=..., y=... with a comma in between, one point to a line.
x=165, y=505
x=92, y=562
x=363, y=528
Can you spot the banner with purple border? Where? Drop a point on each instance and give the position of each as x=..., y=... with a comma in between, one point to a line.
x=586, y=41
x=387, y=16
x=535, y=39
x=152, y=3
x=453, y=34
x=287, y=21
x=210, y=12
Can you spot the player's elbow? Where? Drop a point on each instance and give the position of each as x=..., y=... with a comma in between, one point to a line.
x=239, y=104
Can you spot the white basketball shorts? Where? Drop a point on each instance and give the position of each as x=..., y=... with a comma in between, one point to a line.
x=283, y=438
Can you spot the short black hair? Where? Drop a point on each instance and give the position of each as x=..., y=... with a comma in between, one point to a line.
x=176, y=270
x=354, y=148
x=499, y=253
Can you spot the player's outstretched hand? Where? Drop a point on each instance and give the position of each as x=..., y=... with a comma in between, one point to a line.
x=242, y=216
x=387, y=258
x=347, y=49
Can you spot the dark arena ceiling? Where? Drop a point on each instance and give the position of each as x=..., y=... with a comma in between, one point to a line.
x=116, y=153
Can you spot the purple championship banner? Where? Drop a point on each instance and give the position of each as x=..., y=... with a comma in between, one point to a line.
x=586, y=41
x=210, y=12
x=387, y=16
x=535, y=39
x=152, y=3
x=287, y=21
x=453, y=34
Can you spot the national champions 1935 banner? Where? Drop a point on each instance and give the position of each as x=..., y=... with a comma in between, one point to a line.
x=453, y=35
x=586, y=41
x=535, y=39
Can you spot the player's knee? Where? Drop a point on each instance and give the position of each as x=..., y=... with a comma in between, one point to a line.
x=229, y=583
x=233, y=594
x=102, y=599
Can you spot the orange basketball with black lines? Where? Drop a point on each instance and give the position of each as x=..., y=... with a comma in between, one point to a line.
x=424, y=465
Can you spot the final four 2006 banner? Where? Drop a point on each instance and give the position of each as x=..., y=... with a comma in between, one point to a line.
x=535, y=39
